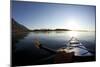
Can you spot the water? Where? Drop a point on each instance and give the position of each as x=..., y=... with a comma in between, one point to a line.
x=25, y=49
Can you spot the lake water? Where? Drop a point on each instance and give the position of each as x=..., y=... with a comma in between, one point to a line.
x=25, y=49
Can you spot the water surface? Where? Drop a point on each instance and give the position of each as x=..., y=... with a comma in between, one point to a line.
x=26, y=50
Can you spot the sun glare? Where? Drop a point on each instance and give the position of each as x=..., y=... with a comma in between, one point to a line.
x=73, y=25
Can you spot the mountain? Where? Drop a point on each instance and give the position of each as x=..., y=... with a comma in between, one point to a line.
x=18, y=28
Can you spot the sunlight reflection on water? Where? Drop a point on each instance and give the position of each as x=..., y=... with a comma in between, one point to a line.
x=73, y=34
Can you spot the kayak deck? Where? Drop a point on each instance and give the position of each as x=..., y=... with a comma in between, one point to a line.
x=75, y=46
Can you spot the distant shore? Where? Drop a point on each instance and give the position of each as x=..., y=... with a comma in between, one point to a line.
x=52, y=30
x=43, y=30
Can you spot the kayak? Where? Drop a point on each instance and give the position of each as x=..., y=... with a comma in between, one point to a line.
x=74, y=45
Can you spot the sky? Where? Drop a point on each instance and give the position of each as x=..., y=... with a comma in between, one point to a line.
x=37, y=15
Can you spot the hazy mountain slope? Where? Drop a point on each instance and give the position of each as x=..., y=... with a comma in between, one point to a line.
x=18, y=28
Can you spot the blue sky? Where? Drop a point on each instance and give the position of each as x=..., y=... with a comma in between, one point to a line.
x=36, y=15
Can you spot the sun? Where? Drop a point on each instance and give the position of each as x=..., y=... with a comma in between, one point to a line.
x=73, y=25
